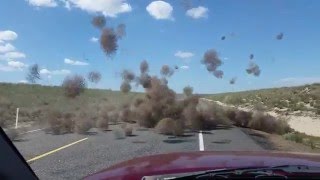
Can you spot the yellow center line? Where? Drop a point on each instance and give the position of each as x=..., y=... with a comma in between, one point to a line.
x=55, y=150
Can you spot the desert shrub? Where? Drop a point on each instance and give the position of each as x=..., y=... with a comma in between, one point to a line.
x=187, y=91
x=82, y=124
x=159, y=100
x=126, y=115
x=263, y=122
x=3, y=117
x=113, y=116
x=207, y=117
x=74, y=85
x=267, y=123
x=103, y=120
x=13, y=134
x=172, y=110
x=128, y=131
x=231, y=113
x=242, y=118
x=7, y=112
x=33, y=74
x=119, y=133
x=178, y=128
x=169, y=126
x=296, y=137
x=54, y=121
x=145, y=118
x=259, y=107
x=68, y=122
x=94, y=76
x=192, y=117
x=60, y=123
x=309, y=142
x=37, y=114
x=137, y=102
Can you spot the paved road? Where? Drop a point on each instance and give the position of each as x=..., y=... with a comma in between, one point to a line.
x=100, y=149
x=72, y=156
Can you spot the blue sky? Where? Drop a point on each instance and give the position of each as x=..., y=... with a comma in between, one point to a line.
x=49, y=31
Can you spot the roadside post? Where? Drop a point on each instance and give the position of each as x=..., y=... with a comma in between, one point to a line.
x=17, y=118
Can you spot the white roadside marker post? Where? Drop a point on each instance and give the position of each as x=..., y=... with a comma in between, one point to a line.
x=17, y=118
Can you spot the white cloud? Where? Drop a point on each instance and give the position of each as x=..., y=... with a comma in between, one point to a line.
x=45, y=71
x=23, y=81
x=54, y=72
x=61, y=72
x=43, y=3
x=8, y=35
x=295, y=81
x=94, y=39
x=160, y=10
x=183, y=54
x=184, y=67
x=199, y=12
x=17, y=64
x=76, y=63
x=6, y=48
x=109, y=8
x=12, y=55
x=12, y=66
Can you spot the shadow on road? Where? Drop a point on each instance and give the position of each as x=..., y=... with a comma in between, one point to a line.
x=138, y=142
x=176, y=141
x=181, y=136
x=223, y=141
x=132, y=135
x=206, y=132
x=142, y=129
x=90, y=133
x=20, y=140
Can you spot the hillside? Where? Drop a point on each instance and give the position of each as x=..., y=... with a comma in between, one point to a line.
x=286, y=99
x=34, y=99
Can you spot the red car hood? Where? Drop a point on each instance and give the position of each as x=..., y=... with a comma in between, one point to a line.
x=199, y=161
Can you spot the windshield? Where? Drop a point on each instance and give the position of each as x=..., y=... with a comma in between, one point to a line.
x=88, y=84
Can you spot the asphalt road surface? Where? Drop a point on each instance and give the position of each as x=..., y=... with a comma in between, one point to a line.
x=72, y=156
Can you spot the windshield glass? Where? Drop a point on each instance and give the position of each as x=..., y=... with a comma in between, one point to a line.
x=87, y=84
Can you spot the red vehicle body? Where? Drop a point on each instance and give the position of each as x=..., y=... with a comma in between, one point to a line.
x=200, y=161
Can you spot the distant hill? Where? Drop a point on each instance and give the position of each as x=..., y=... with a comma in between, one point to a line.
x=303, y=98
x=35, y=100
x=26, y=95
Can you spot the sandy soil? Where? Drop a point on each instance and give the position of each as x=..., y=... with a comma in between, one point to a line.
x=308, y=125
